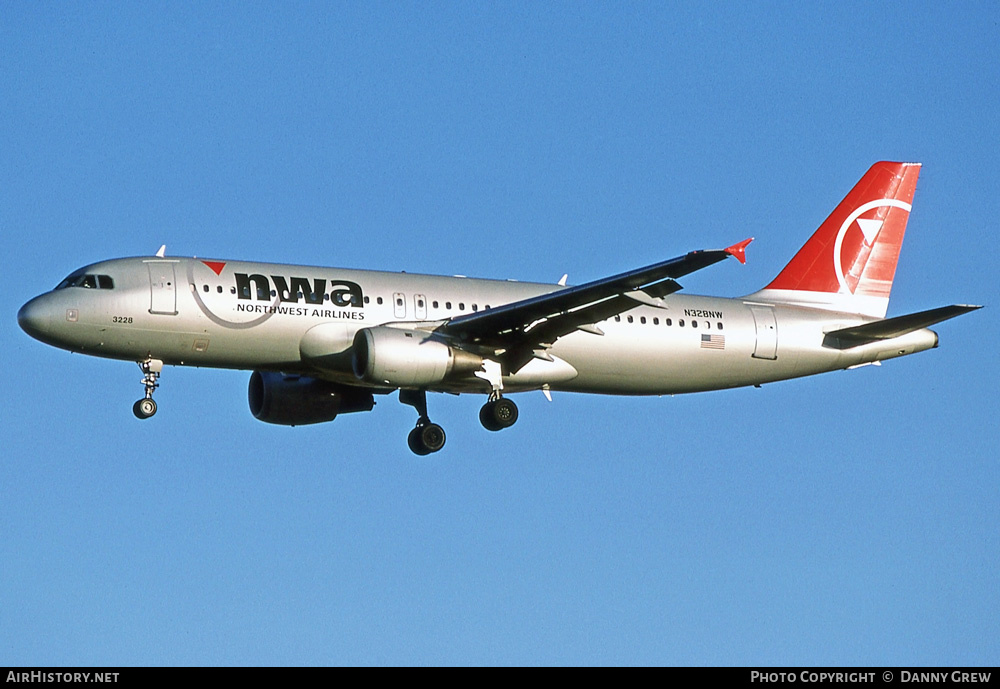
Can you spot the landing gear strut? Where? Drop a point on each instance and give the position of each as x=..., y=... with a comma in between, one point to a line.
x=498, y=413
x=426, y=437
x=146, y=407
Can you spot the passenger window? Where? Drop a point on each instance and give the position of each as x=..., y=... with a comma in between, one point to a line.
x=475, y=307
x=656, y=321
x=367, y=299
x=720, y=325
x=434, y=304
x=461, y=306
x=618, y=319
x=642, y=319
x=694, y=324
x=204, y=288
x=219, y=289
x=669, y=322
x=378, y=300
x=630, y=319
x=680, y=323
x=447, y=305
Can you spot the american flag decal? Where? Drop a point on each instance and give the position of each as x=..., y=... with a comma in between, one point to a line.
x=713, y=341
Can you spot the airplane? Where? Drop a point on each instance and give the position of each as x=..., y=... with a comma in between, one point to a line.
x=324, y=341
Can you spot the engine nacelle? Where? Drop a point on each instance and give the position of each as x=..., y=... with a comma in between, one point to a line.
x=408, y=358
x=299, y=400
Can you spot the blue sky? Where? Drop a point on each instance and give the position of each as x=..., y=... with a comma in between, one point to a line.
x=849, y=518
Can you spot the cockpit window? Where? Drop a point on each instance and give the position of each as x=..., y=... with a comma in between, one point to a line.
x=70, y=279
x=87, y=281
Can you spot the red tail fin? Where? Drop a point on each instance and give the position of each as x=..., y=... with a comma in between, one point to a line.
x=849, y=263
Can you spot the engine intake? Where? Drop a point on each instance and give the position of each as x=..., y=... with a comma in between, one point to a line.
x=408, y=358
x=299, y=400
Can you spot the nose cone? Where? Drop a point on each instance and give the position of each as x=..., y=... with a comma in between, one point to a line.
x=37, y=318
x=30, y=318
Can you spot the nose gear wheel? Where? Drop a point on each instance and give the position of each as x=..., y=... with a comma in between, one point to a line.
x=146, y=407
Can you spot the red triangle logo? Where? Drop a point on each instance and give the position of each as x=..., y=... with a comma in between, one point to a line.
x=216, y=266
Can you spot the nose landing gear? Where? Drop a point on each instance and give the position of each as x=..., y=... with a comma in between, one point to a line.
x=146, y=407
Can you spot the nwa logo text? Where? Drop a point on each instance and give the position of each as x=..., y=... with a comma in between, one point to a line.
x=342, y=293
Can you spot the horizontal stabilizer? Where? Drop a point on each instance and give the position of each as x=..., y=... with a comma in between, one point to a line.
x=886, y=329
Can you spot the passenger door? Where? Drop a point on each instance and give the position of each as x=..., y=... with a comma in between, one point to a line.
x=162, y=288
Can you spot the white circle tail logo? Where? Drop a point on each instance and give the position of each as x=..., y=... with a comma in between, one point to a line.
x=870, y=228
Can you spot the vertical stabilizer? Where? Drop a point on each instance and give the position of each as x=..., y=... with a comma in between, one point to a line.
x=849, y=263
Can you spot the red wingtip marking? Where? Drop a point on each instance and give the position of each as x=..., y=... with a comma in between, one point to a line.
x=739, y=250
x=216, y=266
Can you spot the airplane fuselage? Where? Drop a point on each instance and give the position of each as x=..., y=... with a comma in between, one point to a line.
x=298, y=319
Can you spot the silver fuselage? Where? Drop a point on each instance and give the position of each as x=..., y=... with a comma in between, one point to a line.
x=299, y=319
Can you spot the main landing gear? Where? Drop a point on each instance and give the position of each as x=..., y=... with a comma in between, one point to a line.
x=427, y=437
x=146, y=407
x=498, y=413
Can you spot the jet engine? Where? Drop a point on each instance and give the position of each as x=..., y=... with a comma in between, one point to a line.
x=408, y=358
x=298, y=400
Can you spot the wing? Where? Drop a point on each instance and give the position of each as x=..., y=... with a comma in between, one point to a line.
x=522, y=330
